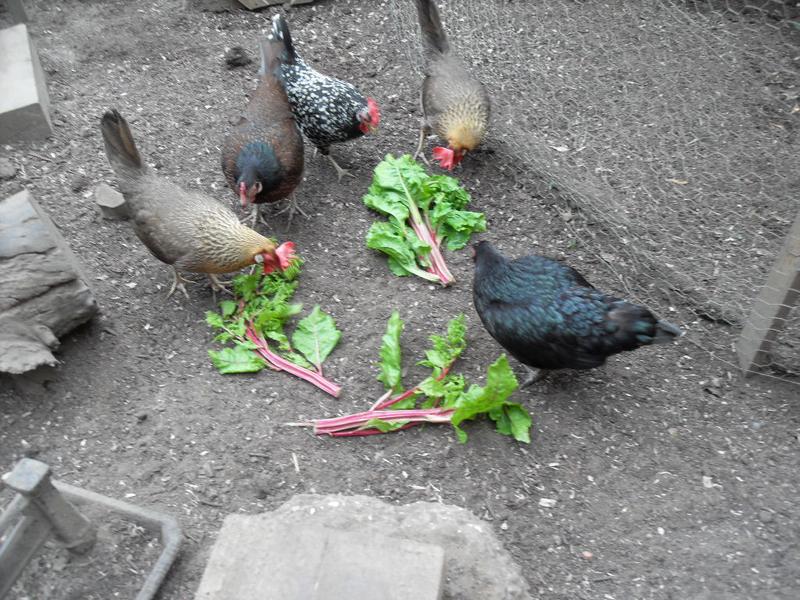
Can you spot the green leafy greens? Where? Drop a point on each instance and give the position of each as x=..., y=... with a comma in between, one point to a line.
x=423, y=213
x=253, y=324
x=442, y=397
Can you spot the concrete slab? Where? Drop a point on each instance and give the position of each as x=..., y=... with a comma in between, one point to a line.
x=24, y=103
x=253, y=559
x=245, y=562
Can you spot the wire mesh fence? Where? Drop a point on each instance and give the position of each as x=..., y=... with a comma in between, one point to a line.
x=667, y=129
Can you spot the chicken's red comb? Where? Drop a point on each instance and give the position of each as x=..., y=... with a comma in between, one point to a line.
x=286, y=255
x=374, y=112
x=445, y=157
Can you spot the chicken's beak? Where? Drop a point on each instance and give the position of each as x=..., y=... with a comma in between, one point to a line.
x=243, y=195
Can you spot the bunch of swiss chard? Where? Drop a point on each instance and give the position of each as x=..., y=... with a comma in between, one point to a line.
x=442, y=397
x=252, y=326
x=425, y=212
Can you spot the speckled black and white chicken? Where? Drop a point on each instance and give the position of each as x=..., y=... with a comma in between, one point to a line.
x=327, y=110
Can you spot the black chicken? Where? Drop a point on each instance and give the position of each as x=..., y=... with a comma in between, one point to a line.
x=549, y=317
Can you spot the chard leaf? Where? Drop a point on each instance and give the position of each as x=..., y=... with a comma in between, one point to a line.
x=316, y=336
x=402, y=248
x=215, y=320
x=500, y=384
x=391, y=356
x=446, y=349
x=238, y=359
x=388, y=202
x=228, y=308
x=512, y=419
x=456, y=226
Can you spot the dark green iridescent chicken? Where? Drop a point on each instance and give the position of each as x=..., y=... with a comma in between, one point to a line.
x=548, y=316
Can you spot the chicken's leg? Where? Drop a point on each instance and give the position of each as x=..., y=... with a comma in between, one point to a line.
x=340, y=171
x=217, y=284
x=255, y=216
x=178, y=284
x=292, y=207
x=534, y=375
x=423, y=132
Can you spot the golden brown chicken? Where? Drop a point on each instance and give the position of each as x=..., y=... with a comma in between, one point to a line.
x=187, y=230
x=455, y=104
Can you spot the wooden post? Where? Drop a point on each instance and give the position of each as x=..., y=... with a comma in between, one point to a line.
x=772, y=306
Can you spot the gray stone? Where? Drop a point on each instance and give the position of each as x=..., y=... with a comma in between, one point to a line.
x=475, y=563
x=274, y=561
x=24, y=103
x=41, y=283
x=112, y=204
x=7, y=169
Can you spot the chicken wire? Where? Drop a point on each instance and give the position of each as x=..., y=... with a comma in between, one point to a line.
x=667, y=130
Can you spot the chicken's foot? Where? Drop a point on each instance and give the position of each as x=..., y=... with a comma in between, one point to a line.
x=178, y=283
x=292, y=207
x=340, y=171
x=534, y=375
x=255, y=216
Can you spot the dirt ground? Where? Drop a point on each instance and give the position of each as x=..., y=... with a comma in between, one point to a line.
x=673, y=478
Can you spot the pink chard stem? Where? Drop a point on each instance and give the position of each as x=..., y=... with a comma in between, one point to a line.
x=357, y=422
x=281, y=364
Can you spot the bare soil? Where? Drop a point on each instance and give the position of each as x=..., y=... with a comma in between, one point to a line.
x=673, y=478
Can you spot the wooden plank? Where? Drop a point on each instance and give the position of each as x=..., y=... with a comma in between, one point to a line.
x=771, y=308
x=42, y=290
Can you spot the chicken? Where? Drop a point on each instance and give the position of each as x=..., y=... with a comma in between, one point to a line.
x=262, y=157
x=455, y=105
x=328, y=110
x=187, y=230
x=549, y=317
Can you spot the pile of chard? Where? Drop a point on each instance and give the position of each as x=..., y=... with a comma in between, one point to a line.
x=424, y=213
x=442, y=397
x=253, y=327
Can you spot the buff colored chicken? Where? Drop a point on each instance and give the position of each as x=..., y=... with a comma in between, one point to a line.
x=186, y=230
x=454, y=103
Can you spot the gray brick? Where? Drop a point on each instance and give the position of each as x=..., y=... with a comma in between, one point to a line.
x=24, y=103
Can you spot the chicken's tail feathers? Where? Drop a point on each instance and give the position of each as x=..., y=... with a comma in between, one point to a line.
x=280, y=32
x=430, y=24
x=120, y=147
x=666, y=332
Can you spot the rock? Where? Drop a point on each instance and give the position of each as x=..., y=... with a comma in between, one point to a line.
x=7, y=169
x=112, y=204
x=476, y=565
x=237, y=57
x=41, y=284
